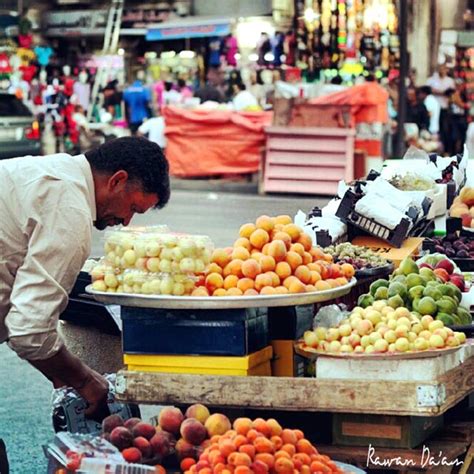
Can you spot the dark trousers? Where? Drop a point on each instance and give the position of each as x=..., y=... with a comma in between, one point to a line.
x=4, y=469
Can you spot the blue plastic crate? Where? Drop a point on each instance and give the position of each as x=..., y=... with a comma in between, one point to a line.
x=200, y=332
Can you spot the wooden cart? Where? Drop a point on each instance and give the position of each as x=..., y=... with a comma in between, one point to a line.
x=418, y=397
x=410, y=398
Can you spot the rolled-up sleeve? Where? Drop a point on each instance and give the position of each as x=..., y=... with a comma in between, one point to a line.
x=57, y=249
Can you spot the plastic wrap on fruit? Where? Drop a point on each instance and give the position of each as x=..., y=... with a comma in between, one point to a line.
x=330, y=316
x=414, y=153
x=68, y=410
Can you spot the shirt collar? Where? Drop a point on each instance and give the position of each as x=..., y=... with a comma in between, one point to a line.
x=86, y=167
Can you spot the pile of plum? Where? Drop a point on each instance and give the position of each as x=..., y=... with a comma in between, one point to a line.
x=453, y=246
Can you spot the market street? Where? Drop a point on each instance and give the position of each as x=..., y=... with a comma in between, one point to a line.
x=25, y=420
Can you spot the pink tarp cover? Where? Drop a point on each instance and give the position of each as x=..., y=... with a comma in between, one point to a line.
x=204, y=143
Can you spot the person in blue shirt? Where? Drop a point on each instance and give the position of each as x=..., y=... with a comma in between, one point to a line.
x=137, y=101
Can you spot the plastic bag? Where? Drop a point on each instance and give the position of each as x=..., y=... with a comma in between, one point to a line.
x=68, y=410
x=414, y=153
x=330, y=316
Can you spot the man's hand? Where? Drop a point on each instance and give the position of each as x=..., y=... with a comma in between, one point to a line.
x=95, y=389
x=65, y=369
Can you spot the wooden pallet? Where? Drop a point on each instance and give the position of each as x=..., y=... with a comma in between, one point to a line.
x=427, y=398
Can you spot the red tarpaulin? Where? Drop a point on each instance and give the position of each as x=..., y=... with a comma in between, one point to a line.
x=204, y=143
x=368, y=102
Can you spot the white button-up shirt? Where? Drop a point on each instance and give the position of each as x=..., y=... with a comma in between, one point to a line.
x=47, y=209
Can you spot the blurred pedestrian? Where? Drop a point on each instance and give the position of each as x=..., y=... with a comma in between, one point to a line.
x=432, y=106
x=440, y=82
x=416, y=110
x=154, y=130
x=243, y=98
x=170, y=95
x=185, y=91
x=137, y=99
x=457, y=121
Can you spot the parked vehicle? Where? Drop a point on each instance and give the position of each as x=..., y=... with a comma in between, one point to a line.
x=19, y=130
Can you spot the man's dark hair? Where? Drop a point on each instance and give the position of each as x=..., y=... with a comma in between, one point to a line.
x=425, y=90
x=241, y=86
x=142, y=159
x=181, y=83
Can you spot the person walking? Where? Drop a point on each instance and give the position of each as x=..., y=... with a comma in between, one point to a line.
x=440, y=82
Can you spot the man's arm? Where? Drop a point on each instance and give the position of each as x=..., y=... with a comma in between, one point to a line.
x=64, y=368
x=57, y=248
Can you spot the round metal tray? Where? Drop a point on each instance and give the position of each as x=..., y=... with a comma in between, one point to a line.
x=311, y=353
x=219, y=302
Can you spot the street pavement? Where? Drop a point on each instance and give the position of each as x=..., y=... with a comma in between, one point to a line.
x=25, y=420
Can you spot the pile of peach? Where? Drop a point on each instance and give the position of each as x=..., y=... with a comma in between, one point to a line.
x=259, y=447
x=271, y=257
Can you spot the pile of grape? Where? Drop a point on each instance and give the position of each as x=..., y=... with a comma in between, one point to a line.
x=359, y=257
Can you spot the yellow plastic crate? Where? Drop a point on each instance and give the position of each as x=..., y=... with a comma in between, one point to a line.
x=257, y=363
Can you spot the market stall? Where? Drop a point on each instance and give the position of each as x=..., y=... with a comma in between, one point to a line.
x=314, y=148
x=247, y=329
x=214, y=142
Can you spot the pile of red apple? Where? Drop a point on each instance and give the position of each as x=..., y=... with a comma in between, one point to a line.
x=444, y=270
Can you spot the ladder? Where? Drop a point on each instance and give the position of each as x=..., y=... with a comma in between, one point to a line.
x=111, y=38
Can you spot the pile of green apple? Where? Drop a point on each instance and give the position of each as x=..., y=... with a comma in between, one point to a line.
x=380, y=328
x=420, y=291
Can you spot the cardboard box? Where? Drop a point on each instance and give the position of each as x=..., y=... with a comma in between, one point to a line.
x=410, y=247
x=285, y=362
x=383, y=431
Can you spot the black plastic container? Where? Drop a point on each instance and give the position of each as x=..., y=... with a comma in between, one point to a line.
x=194, y=332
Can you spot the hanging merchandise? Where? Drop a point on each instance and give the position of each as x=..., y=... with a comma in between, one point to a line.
x=82, y=90
x=277, y=47
x=26, y=55
x=28, y=72
x=25, y=41
x=264, y=47
x=231, y=49
x=348, y=37
x=289, y=47
x=43, y=54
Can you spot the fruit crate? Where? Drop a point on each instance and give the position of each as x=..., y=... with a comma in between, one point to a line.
x=454, y=226
x=386, y=431
x=361, y=287
x=360, y=225
x=323, y=238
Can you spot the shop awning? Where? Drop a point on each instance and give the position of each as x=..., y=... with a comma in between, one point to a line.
x=197, y=27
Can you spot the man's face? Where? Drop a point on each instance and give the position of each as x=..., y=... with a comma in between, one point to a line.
x=443, y=71
x=119, y=199
x=411, y=95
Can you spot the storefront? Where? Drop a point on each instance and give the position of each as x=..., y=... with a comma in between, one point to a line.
x=348, y=38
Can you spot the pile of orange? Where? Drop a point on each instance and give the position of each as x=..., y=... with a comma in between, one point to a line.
x=259, y=447
x=271, y=256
